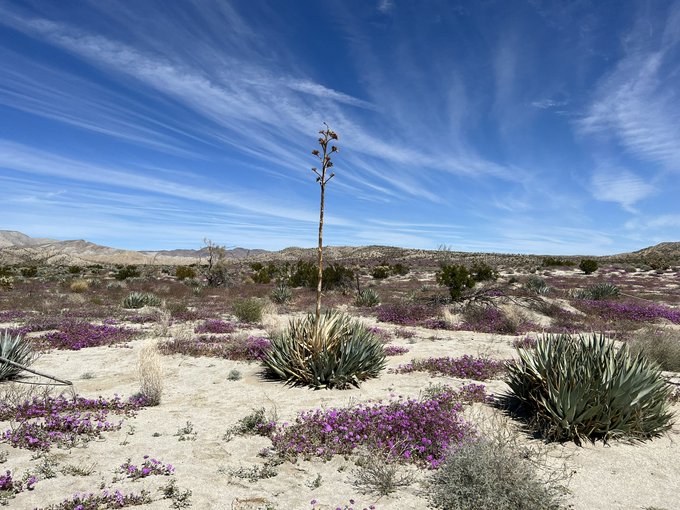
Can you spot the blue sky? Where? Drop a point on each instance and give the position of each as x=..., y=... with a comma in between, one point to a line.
x=508, y=126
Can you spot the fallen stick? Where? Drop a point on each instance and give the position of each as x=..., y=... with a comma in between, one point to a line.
x=42, y=374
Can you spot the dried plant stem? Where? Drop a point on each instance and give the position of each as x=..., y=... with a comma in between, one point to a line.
x=36, y=372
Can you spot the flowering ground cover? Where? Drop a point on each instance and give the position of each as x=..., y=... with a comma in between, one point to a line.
x=41, y=423
x=215, y=326
x=107, y=499
x=234, y=348
x=148, y=467
x=465, y=366
x=628, y=311
x=416, y=431
x=74, y=335
x=395, y=350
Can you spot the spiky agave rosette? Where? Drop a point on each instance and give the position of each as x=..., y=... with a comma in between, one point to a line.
x=335, y=353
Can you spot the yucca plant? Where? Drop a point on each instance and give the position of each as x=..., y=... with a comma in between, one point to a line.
x=583, y=388
x=367, y=297
x=335, y=352
x=282, y=293
x=141, y=299
x=17, y=349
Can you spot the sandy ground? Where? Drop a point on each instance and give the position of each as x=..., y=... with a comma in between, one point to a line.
x=617, y=476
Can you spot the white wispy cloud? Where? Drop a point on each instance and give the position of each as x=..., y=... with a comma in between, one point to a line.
x=620, y=186
x=638, y=102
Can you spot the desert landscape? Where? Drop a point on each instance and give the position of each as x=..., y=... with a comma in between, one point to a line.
x=172, y=406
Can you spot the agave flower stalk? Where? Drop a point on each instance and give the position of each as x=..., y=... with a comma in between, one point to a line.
x=322, y=177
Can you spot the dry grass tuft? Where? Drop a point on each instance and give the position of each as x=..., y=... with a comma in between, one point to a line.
x=150, y=373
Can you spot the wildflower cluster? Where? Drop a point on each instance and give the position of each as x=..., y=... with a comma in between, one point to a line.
x=524, y=343
x=239, y=349
x=403, y=313
x=395, y=350
x=614, y=310
x=382, y=334
x=149, y=467
x=43, y=422
x=466, y=366
x=11, y=315
x=8, y=485
x=417, y=431
x=489, y=319
x=72, y=335
x=106, y=499
x=215, y=326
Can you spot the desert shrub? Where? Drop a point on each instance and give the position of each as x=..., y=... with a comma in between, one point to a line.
x=125, y=272
x=29, y=272
x=6, y=271
x=306, y=274
x=583, y=388
x=184, y=272
x=406, y=314
x=281, y=294
x=367, y=298
x=537, y=285
x=399, y=269
x=481, y=272
x=248, y=309
x=599, y=292
x=262, y=273
x=335, y=353
x=255, y=424
x=456, y=277
x=494, y=473
x=380, y=474
x=238, y=349
x=140, y=299
x=15, y=348
x=466, y=366
x=380, y=272
x=79, y=286
x=6, y=282
x=557, y=262
x=150, y=374
x=661, y=345
x=74, y=269
x=588, y=266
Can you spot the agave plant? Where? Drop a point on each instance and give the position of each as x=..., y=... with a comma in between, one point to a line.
x=368, y=298
x=17, y=349
x=336, y=352
x=282, y=293
x=141, y=299
x=582, y=387
x=598, y=292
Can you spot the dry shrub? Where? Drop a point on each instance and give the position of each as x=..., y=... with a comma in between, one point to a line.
x=79, y=286
x=660, y=344
x=500, y=470
x=150, y=373
x=163, y=321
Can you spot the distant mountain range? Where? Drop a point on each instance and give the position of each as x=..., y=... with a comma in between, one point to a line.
x=17, y=248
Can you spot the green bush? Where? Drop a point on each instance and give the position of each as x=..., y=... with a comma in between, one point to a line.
x=264, y=274
x=74, y=269
x=588, y=266
x=248, y=309
x=29, y=272
x=481, y=272
x=380, y=272
x=18, y=349
x=6, y=271
x=281, y=294
x=457, y=278
x=123, y=273
x=306, y=274
x=140, y=299
x=184, y=272
x=337, y=353
x=367, y=298
x=582, y=388
x=557, y=262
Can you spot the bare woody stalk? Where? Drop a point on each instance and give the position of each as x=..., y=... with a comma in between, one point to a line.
x=322, y=178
